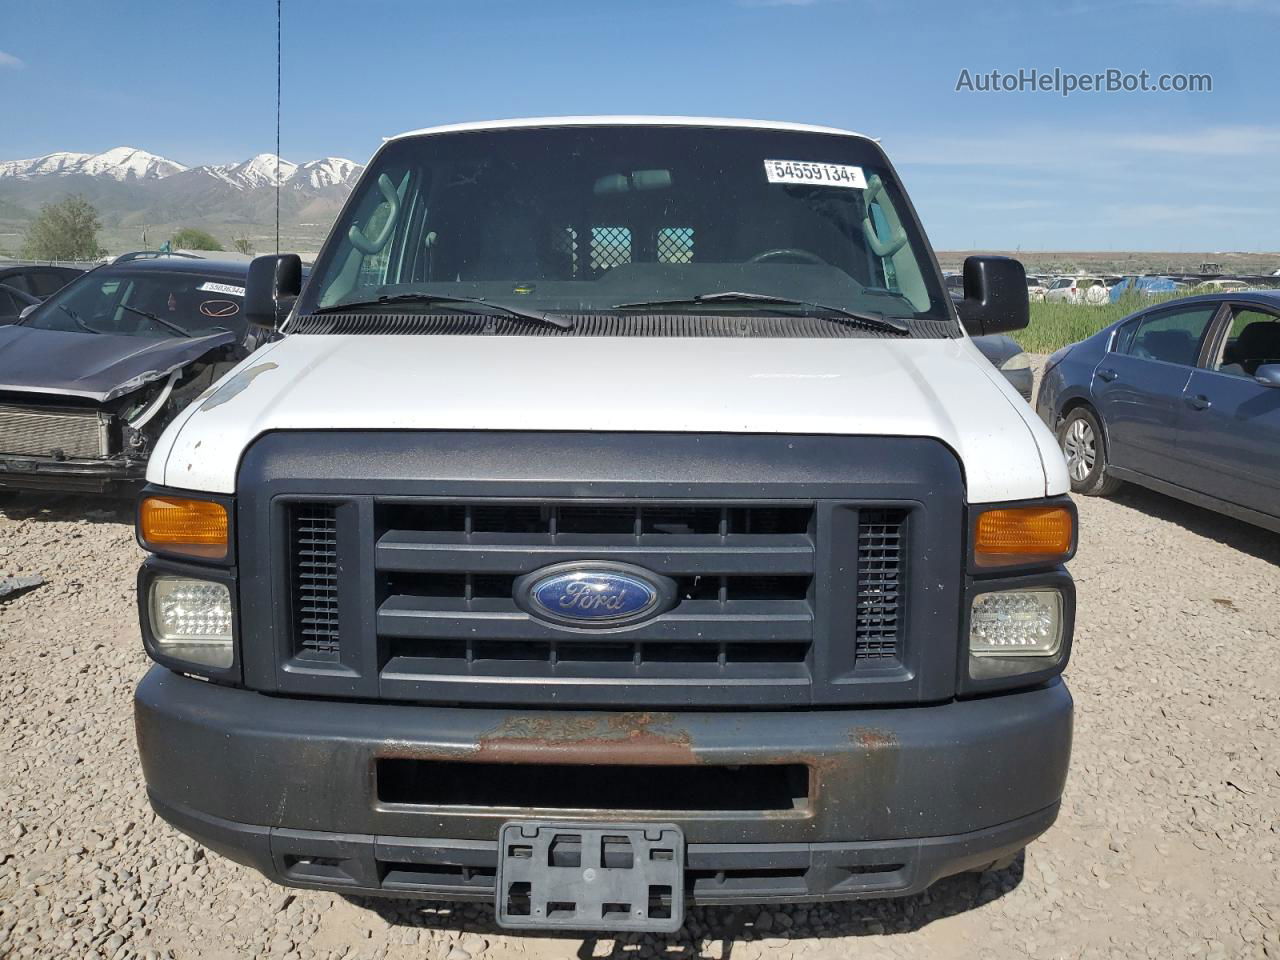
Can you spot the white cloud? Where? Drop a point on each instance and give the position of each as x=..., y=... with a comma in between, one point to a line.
x=778, y=3
x=10, y=61
x=1046, y=149
x=1242, y=141
x=1089, y=8
x=1240, y=6
x=1009, y=205
x=1137, y=214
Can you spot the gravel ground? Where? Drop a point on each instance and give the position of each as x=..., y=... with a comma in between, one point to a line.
x=1168, y=844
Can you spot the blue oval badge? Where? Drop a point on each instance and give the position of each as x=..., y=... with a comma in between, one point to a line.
x=593, y=594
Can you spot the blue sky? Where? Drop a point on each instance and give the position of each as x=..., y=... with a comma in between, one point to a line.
x=194, y=81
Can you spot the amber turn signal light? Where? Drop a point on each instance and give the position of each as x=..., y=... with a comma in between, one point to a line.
x=1013, y=536
x=194, y=528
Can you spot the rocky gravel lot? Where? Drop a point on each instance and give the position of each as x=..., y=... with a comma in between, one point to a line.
x=1168, y=844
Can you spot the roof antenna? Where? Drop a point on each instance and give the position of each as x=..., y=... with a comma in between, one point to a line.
x=278, y=2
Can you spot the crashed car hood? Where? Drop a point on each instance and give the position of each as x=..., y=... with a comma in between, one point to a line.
x=917, y=388
x=95, y=366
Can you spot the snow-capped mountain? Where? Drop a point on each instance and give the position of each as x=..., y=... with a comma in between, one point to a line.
x=135, y=191
x=259, y=171
x=329, y=172
x=125, y=164
x=120, y=163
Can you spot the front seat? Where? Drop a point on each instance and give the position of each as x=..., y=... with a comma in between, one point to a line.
x=1258, y=344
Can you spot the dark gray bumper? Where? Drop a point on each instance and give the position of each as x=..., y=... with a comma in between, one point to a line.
x=899, y=797
x=115, y=476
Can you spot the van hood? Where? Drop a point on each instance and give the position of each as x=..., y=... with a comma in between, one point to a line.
x=916, y=388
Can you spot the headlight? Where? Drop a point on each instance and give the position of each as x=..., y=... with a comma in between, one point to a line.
x=1019, y=361
x=191, y=620
x=1016, y=623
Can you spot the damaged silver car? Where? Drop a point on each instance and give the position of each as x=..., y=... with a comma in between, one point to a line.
x=91, y=376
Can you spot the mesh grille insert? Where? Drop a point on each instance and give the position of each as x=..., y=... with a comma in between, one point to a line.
x=313, y=534
x=675, y=245
x=610, y=247
x=880, y=578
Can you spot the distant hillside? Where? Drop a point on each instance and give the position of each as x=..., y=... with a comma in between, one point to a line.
x=141, y=194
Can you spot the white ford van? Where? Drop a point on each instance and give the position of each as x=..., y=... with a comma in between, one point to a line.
x=621, y=520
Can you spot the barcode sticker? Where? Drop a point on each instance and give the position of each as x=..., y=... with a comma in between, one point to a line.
x=210, y=287
x=825, y=174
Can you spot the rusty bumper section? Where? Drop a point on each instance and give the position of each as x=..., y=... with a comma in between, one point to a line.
x=873, y=802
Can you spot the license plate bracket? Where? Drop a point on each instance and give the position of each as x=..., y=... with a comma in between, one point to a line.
x=577, y=876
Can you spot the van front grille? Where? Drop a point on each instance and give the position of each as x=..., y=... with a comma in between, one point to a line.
x=744, y=577
x=794, y=572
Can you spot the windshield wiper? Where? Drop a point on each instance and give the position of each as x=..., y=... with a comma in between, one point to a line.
x=520, y=313
x=76, y=317
x=160, y=320
x=838, y=314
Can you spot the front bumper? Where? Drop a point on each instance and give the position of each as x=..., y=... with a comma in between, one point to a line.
x=899, y=797
x=115, y=476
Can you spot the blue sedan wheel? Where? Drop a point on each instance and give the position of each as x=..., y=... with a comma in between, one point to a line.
x=1081, y=449
x=1083, y=446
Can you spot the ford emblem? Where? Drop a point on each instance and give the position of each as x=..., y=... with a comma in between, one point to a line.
x=594, y=594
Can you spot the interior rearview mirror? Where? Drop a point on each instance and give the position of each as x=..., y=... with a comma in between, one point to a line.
x=273, y=284
x=995, y=296
x=1268, y=375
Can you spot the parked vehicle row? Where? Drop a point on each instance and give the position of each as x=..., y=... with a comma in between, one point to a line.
x=1099, y=289
x=1182, y=397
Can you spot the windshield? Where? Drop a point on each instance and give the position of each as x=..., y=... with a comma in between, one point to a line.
x=585, y=219
x=144, y=303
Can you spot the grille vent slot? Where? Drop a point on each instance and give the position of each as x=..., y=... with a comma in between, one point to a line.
x=880, y=578
x=313, y=535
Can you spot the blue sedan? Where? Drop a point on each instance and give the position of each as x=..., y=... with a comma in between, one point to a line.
x=1183, y=397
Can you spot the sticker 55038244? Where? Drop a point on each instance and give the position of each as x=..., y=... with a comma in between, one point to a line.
x=228, y=288
x=824, y=174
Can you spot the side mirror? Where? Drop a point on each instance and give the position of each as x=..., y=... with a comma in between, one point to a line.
x=274, y=283
x=1268, y=375
x=995, y=296
x=27, y=310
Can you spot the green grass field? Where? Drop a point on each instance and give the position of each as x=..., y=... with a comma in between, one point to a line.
x=1055, y=325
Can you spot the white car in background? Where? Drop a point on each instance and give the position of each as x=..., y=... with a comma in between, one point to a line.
x=1221, y=286
x=1036, y=289
x=1091, y=290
